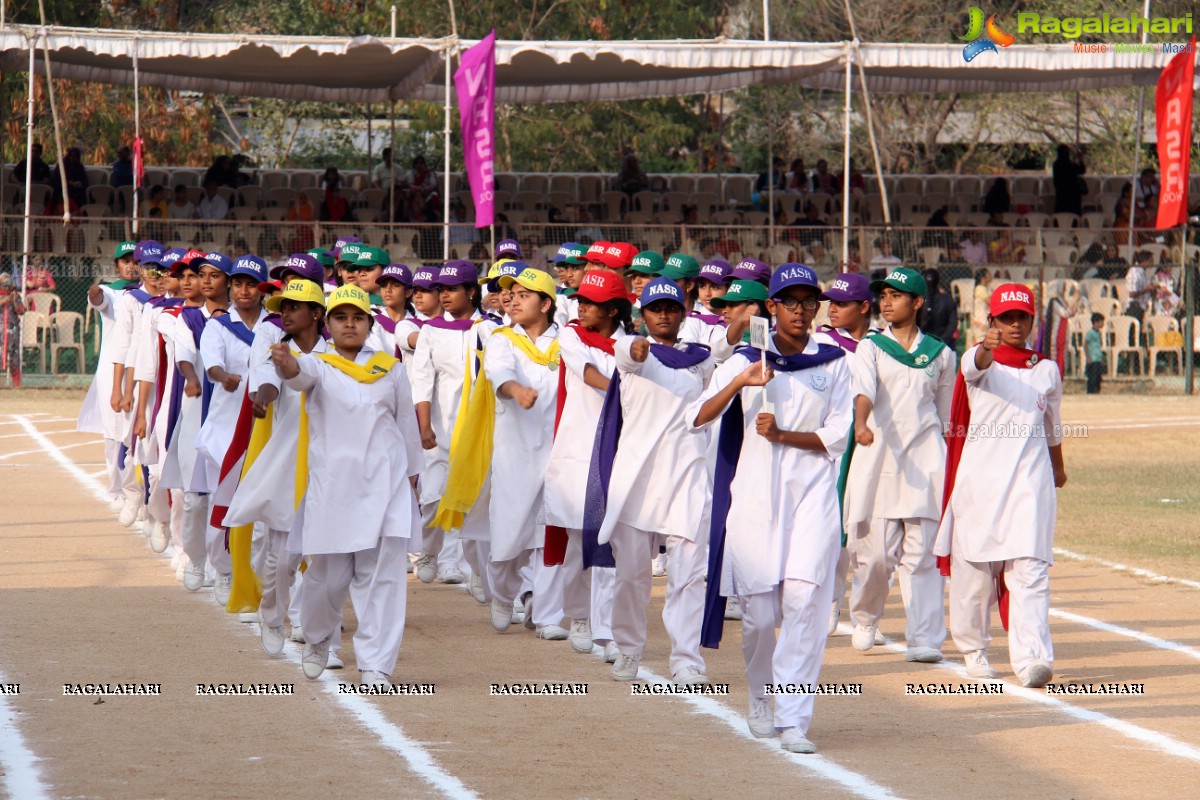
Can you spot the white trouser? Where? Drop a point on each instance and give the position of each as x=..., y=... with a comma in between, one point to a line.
x=477, y=553
x=973, y=592
x=376, y=580
x=846, y=566
x=683, y=612
x=278, y=573
x=906, y=547
x=175, y=497
x=158, y=509
x=293, y=609
x=203, y=543
x=801, y=612
x=587, y=593
x=507, y=581
x=258, y=548
x=122, y=483
x=214, y=542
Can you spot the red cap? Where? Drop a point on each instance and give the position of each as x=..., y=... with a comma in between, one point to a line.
x=266, y=287
x=618, y=255
x=1012, y=297
x=187, y=259
x=600, y=286
x=596, y=253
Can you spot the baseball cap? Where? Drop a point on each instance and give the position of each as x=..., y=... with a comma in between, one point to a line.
x=595, y=254
x=372, y=257
x=662, y=289
x=570, y=253
x=302, y=291
x=270, y=287
x=715, y=271
x=751, y=269
x=302, y=264
x=601, y=286
x=147, y=247
x=350, y=251
x=348, y=295
x=424, y=278
x=682, y=266
x=123, y=249
x=792, y=274
x=532, y=279
x=502, y=267
x=341, y=242
x=323, y=256
x=508, y=248
x=1012, y=297
x=647, y=262
x=172, y=256
x=251, y=266
x=902, y=279
x=456, y=273
x=396, y=272
x=189, y=260
x=848, y=287
x=740, y=292
x=218, y=260
x=618, y=255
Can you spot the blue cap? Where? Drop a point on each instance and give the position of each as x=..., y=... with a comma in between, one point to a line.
x=456, y=273
x=172, y=256
x=148, y=247
x=218, y=260
x=751, y=269
x=251, y=266
x=510, y=269
x=425, y=278
x=396, y=272
x=716, y=271
x=849, y=287
x=792, y=274
x=508, y=248
x=565, y=252
x=662, y=289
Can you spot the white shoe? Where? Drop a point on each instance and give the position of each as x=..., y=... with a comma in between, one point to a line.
x=611, y=652
x=978, y=666
x=794, y=741
x=733, y=609
x=297, y=634
x=658, y=567
x=314, y=659
x=518, y=611
x=553, y=633
x=272, y=639
x=375, y=679
x=222, y=588
x=923, y=655
x=451, y=576
x=334, y=661
x=141, y=515
x=581, y=636
x=835, y=616
x=863, y=638
x=410, y=567
x=427, y=567
x=879, y=638
x=761, y=720
x=501, y=616
x=128, y=514
x=1037, y=675
x=117, y=503
x=691, y=676
x=249, y=617
x=527, y=603
x=626, y=668
x=159, y=538
x=147, y=527
x=476, y=588
x=193, y=577
x=179, y=573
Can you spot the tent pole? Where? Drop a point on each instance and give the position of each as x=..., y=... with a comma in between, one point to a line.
x=1189, y=315
x=392, y=178
x=846, y=168
x=27, y=243
x=866, y=93
x=137, y=134
x=1137, y=150
x=721, y=147
x=446, y=170
x=770, y=138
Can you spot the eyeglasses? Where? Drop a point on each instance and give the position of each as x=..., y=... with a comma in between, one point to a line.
x=791, y=303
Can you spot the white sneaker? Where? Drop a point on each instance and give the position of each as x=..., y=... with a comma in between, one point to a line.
x=427, y=567
x=272, y=639
x=879, y=637
x=978, y=666
x=477, y=588
x=733, y=609
x=314, y=659
x=1036, y=675
x=626, y=668
x=117, y=503
x=923, y=655
x=761, y=720
x=691, y=676
x=863, y=638
x=141, y=515
x=450, y=575
x=410, y=567
x=179, y=573
x=334, y=661
x=297, y=634
x=193, y=577
x=794, y=741
x=553, y=633
x=129, y=513
x=658, y=567
x=581, y=636
x=222, y=588
x=249, y=617
x=376, y=679
x=527, y=603
x=518, y=611
x=501, y=616
x=159, y=538
x=611, y=652
x=835, y=616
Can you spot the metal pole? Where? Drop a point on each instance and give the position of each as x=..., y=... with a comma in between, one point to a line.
x=766, y=20
x=721, y=146
x=446, y=146
x=770, y=138
x=866, y=93
x=393, y=21
x=1189, y=315
x=27, y=244
x=1137, y=150
x=392, y=166
x=846, y=168
x=370, y=155
x=137, y=134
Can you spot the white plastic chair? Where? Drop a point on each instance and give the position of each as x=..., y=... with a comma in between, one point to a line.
x=66, y=334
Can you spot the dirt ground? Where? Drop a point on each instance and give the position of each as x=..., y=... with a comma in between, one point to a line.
x=83, y=599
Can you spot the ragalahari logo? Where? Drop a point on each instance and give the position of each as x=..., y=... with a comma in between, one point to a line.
x=983, y=37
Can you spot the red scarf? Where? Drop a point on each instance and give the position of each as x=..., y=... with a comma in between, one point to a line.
x=960, y=420
x=555, y=551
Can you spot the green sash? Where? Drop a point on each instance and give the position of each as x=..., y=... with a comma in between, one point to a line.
x=928, y=350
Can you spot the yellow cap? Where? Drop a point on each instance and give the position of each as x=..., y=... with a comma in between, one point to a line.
x=496, y=270
x=348, y=295
x=300, y=291
x=533, y=279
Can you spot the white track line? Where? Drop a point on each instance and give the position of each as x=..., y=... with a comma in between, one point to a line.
x=19, y=773
x=1102, y=427
x=35, y=452
x=1100, y=625
x=389, y=734
x=1153, y=577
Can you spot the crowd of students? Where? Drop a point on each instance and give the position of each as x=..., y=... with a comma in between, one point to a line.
x=296, y=436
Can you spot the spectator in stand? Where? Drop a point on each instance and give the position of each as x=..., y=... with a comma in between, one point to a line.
x=301, y=211
x=422, y=190
x=77, y=182
x=552, y=233
x=41, y=170
x=823, y=180
x=333, y=206
x=461, y=230
x=41, y=279
x=953, y=265
x=981, y=307
x=1145, y=191
x=236, y=179
x=1069, y=187
x=1004, y=250
x=156, y=201
x=810, y=227
x=586, y=232
x=939, y=315
x=821, y=260
x=857, y=181
x=884, y=258
x=1122, y=211
x=121, y=172
x=974, y=251
x=1139, y=290
x=631, y=179
x=997, y=200
x=937, y=233
x=212, y=206
x=180, y=207
x=218, y=172
x=797, y=178
x=381, y=174
x=776, y=174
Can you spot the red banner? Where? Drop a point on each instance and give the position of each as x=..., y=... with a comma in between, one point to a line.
x=1173, y=108
x=139, y=164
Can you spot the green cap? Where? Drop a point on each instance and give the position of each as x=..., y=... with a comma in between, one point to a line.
x=351, y=251
x=322, y=255
x=647, y=262
x=371, y=257
x=740, y=292
x=902, y=279
x=576, y=257
x=124, y=249
x=681, y=266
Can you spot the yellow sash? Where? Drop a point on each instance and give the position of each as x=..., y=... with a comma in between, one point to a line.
x=376, y=367
x=246, y=593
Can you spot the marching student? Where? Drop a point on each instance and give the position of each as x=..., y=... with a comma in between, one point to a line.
x=776, y=527
x=996, y=539
x=571, y=265
x=396, y=326
x=645, y=267
x=903, y=382
x=425, y=299
x=751, y=269
x=362, y=443
x=366, y=270
x=345, y=257
x=657, y=484
x=588, y=362
x=492, y=286
x=712, y=281
x=508, y=249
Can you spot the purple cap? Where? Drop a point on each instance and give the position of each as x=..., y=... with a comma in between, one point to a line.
x=662, y=289
x=303, y=265
x=849, y=287
x=396, y=272
x=148, y=247
x=424, y=278
x=792, y=274
x=218, y=260
x=751, y=269
x=716, y=271
x=508, y=248
x=172, y=256
x=456, y=273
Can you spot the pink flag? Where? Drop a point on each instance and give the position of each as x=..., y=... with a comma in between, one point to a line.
x=475, y=81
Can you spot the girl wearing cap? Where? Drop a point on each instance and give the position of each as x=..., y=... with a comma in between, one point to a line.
x=903, y=381
x=571, y=268
x=425, y=300
x=398, y=327
x=996, y=539
x=713, y=281
x=643, y=443
x=775, y=527
x=362, y=443
x=588, y=362
x=367, y=269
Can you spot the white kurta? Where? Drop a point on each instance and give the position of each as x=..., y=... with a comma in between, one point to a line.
x=900, y=475
x=179, y=469
x=262, y=368
x=520, y=445
x=96, y=414
x=363, y=448
x=783, y=519
x=1003, y=504
x=660, y=480
x=565, y=309
x=571, y=454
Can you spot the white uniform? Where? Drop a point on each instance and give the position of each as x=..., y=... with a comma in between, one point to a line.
x=96, y=414
x=713, y=336
x=659, y=487
x=566, y=309
x=783, y=530
x=163, y=325
x=894, y=488
x=1002, y=509
x=143, y=360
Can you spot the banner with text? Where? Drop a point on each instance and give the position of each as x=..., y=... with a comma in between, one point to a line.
x=1173, y=107
x=475, y=82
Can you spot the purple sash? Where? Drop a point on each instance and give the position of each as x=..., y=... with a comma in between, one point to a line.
x=275, y=320
x=845, y=342
x=237, y=328
x=387, y=322
x=710, y=319
x=141, y=295
x=450, y=324
x=166, y=302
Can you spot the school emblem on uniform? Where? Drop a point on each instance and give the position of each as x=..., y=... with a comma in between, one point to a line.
x=1033, y=359
x=929, y=371
x=818, y=382
x=921, y=360
x=552, y=365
